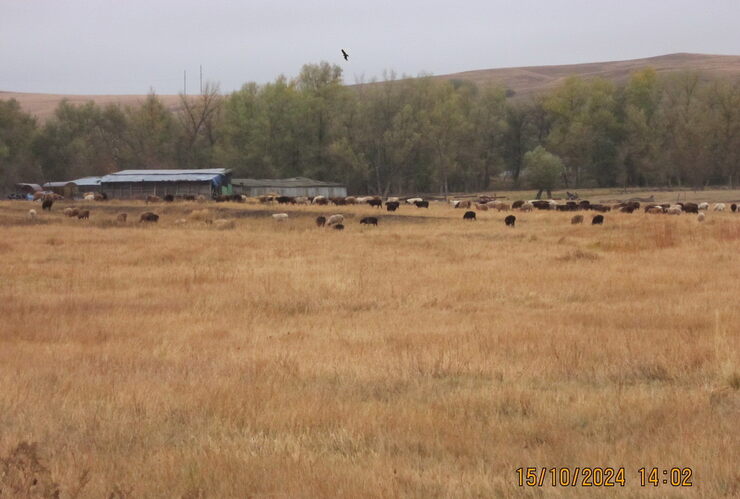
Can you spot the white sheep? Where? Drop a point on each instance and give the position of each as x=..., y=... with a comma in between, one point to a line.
x=527, y=206
x=719, y=207
x=318, y=199
x=335, y=219
x=280, y=217
x=674, y=210
x=703, y=206
x=414, y=200
x=700, y=217
x=32, y=214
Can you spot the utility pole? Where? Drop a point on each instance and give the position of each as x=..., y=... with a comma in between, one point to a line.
x=201, y=79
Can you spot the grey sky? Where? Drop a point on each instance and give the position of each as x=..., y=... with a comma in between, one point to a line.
x=128, y=46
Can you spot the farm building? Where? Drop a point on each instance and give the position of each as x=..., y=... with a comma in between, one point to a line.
x=27, y=189
x=297, y=186
x=129, y=184
x=74, y=187
x=87, y=184
x=66, y=189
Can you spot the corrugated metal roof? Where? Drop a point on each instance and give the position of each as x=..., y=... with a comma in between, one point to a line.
x=282, y=182
x=35, y=187
x=202, y=175
x=87, y=181
x=216, y=171
x=55, y=184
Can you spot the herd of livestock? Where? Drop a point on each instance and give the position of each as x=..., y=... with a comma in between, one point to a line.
x=392, y=204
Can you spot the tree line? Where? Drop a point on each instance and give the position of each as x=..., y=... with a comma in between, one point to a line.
x=401, y=135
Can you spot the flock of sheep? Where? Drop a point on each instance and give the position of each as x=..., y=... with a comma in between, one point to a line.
x=336, y=221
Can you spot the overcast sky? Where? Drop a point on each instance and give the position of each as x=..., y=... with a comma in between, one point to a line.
x=130, y=46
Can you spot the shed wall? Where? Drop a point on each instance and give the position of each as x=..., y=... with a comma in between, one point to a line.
x=337, y=191
x=134, y=190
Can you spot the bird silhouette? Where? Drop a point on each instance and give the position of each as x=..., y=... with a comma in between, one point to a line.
x=345, y=55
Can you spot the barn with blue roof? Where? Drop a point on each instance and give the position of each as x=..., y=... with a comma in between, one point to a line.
x=137, y=184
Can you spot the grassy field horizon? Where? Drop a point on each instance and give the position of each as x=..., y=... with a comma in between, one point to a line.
x=425, y=357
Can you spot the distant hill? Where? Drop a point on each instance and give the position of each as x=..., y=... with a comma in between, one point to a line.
x=43, y=105
x=523, y=80
x=533, y=79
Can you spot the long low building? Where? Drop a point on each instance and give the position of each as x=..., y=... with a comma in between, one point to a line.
x=74, y=188
x=296, y=186
x=132, y=184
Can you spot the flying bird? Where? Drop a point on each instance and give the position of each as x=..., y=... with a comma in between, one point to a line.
x=345, y=54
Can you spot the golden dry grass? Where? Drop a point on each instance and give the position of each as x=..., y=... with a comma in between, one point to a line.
x=427, y=357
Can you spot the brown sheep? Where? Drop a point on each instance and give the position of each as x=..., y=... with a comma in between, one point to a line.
x=578, y=219
x=83, y=214
x=148, y=216
x=503, y=207
x=153, y=199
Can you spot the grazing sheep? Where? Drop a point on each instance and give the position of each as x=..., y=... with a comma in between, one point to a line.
x=70, y=212
x=153, y=199
x=578, y=219
x=392, y=205
x=597, y=220
x=320, y=200
x=285, y=200
x=469, y=215
x=280, y=217
x=422, y=204
x=46, y=204
x=320, y=221
x=201, y=198
x=462, y=204
x=517, y=204
x=148, y=216
x=733, y=207
x=83, y=214
x=89, y=197
x=351, y=200
x=338, y=227
x=334, y=220
x=719, y=207
x=369, y=221
x=168, y=198
x=510, y=221
x=655, y=209
x=32, y=214
x=414, y=200
x=674, y=210
x=122, y=217
x=481, y=206
x=527, y=206
x=690, y=207
x=375, y=202
x=502, y=207
x=181, y=221
x=392, y=200
x=700, y=217
x=703, y=206
x=600, y=207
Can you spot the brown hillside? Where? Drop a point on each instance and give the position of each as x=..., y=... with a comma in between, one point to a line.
x=523, y=80
x=528, y=80
x=43, y=105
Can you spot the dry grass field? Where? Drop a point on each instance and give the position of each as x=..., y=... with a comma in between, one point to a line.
x=427, y=357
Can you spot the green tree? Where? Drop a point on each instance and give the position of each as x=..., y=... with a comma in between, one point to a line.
x=17, y=130
x=543, y=170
